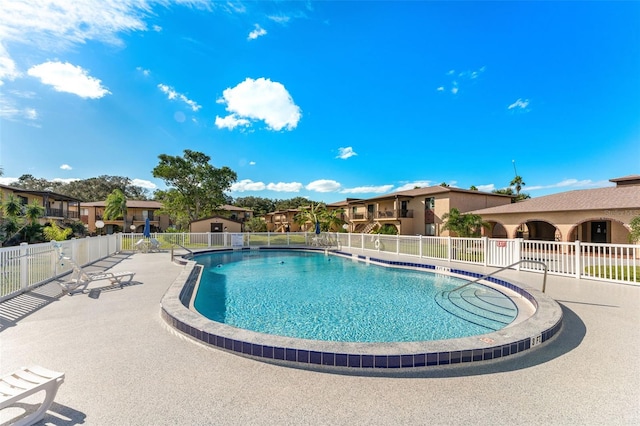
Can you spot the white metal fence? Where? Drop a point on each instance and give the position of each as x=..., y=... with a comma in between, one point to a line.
x=27, y=266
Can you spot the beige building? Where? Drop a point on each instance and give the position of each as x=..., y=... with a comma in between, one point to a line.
x=282, y=221
x=413, y=212
x=231, y=219
x=600, y=215
x=137, y=213
x=57, y=207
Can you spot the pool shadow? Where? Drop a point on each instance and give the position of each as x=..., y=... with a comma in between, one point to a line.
x=570, y=336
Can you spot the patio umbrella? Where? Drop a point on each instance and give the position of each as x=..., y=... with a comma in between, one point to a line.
x=317, y=228
x=147, y=229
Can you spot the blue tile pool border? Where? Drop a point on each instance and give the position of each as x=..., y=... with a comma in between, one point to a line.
x=544, y=324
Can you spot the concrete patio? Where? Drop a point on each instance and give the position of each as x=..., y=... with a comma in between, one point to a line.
x=125, y=366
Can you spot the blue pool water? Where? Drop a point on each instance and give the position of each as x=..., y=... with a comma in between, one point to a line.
x=312, y=296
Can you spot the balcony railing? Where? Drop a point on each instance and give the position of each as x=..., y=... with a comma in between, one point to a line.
x=50, y=212
x=143, y=218
x=394, y=214
x=360, y=216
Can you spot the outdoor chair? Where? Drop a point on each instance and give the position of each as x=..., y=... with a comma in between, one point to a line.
x=25, y=382
x=154, y=245
x=80, y=279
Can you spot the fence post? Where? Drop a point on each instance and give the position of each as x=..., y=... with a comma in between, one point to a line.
x=449, y=248
x=209, y=239
x=518, y=252
x=24, y=265
x=485, y=241
x=397, y=244
x=420, y=246
x=578, y=258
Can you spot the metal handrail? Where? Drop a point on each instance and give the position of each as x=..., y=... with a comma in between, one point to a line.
x=181, y=246
x=544, y=279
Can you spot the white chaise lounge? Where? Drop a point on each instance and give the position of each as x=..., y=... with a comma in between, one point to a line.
x=80, y=279
x=25, y=382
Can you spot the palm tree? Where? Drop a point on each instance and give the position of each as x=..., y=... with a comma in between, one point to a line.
x=464, y=225
x=518, y=183
x=33, y=212
x=11, y=206
x=311, y=214
x=116, y=207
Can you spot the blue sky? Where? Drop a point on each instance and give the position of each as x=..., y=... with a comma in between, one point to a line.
x=325, y=100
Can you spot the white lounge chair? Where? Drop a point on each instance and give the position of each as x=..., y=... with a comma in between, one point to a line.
x=154, y=245
x=26, y=382
x=80, y=279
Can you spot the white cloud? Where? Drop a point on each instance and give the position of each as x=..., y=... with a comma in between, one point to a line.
x=285, y=187
x=486, y=188
x=143, y=183
x=65, y=180
x=345, y=153
x=520, y=105
x=462, y=78
x=252, y=163
x=247, y=185
x=157, y=28
x=8, y=70
x=231, y=122
x=413, y=185
x=260, y=99
x=66, y=167
x=172, y=94
x=10, y=111
x=144, y=72
x=323, y=185
x=573, y=183
x=57, y=25
x=257, y=32
x=8, y=180
x=280, y=19
x=368, y=189
x=65, y=77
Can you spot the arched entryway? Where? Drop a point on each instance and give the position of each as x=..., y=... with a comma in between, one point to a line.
x=538, y=230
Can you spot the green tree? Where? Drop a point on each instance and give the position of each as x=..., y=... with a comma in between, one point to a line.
x=463, y=225
x=116, y=207
x=634, y=236
x=33, y=212
x=255, y=224
x=196, y=187
x=473, y=188
x=259, y=205
x=55, y=233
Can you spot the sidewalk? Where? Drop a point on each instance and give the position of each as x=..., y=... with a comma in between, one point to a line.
x=125, y=366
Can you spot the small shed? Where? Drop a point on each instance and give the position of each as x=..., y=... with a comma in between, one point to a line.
x=216, y=224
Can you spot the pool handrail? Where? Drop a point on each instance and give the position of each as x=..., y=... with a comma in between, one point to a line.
x=181, y=246
x=544, y=279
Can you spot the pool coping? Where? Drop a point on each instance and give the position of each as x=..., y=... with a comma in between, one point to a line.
x=545, y=323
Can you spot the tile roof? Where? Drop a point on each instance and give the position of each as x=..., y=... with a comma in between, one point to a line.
x=149, y=204
x=622, y=197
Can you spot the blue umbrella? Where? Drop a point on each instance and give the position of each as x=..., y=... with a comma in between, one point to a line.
x=147, y=229
x=318, y=228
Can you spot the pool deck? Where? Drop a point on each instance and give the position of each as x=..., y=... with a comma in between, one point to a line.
x=125, y=366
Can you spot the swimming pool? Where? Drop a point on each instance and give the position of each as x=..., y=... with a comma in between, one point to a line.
x=543, y=320
x=310, y=295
